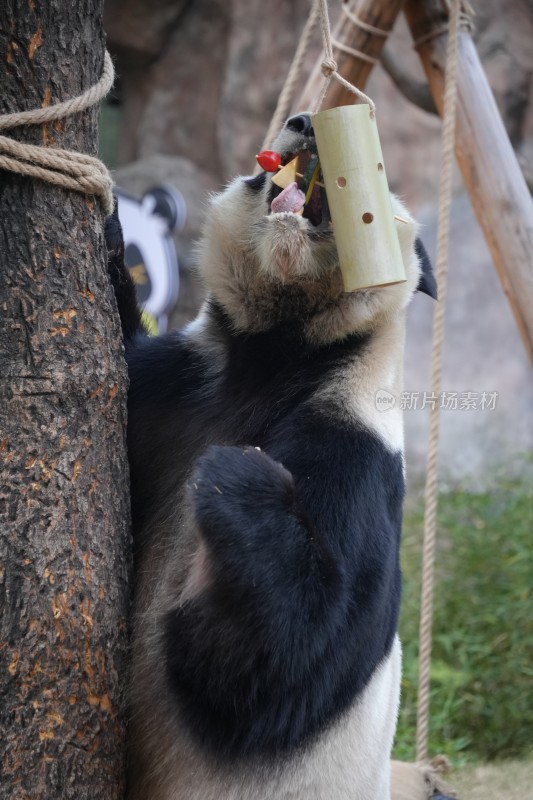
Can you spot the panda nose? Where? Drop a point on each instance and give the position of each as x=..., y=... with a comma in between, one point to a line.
x=301, y=124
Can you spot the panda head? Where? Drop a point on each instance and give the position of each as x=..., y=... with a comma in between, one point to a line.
x=268, y=267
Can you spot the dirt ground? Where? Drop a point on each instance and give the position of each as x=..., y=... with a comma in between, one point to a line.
x=512, y=780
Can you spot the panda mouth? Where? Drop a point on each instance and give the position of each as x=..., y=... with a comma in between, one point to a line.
x=301, y=190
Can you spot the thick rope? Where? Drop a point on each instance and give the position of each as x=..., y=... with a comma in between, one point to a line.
x=65, y=168
x=431, y=495
x=351, y=51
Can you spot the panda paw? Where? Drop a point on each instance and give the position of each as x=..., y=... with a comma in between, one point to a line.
x=232, y=482
x=245, y=508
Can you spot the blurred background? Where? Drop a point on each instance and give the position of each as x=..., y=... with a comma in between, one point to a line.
x=197, y=84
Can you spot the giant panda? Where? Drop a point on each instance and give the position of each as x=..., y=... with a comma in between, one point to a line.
x=267, y=495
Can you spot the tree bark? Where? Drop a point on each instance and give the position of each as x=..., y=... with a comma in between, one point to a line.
x=64, y=525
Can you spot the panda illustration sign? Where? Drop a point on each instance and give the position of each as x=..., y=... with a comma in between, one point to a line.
x=150, y=255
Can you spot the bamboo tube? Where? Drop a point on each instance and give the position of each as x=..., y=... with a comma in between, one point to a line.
x=358, y=196
x=499, y=194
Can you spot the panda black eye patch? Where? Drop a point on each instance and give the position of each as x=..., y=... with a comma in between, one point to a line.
x=257, y=182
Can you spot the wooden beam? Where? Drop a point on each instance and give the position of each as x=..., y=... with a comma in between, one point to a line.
x=378, y=14
x=498, y=191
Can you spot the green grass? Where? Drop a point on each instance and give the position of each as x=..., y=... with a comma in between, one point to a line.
x=482, y=664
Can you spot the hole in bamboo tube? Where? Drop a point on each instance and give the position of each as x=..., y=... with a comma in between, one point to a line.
x=380, y=166
x=341, y=182
x=368, y=217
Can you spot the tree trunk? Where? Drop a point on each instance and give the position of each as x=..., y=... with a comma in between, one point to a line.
x=64, y=572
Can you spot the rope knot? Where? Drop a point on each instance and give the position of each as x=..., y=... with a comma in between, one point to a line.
x=65, y=168
x=328, y=67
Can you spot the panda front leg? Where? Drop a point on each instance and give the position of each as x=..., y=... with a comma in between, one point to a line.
x=257, y=611
x=121, y=280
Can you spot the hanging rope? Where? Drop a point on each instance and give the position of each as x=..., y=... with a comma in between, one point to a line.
x=367, y=28
x=466, y=23
x=65, y=168
x=431, y=495
x=329, y=65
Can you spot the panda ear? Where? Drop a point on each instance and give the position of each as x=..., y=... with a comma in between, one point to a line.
x=427, y=282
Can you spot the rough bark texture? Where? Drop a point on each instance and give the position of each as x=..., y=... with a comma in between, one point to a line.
x=64, y=571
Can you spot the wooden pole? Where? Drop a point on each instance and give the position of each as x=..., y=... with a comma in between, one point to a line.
x=379, y=15
x=498, y=191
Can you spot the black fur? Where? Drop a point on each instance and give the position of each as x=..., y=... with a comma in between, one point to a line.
x=121, y=280
x=305, y=589
x=257, y=182
x=176, y=407
x=302, y=535
x=427, y=282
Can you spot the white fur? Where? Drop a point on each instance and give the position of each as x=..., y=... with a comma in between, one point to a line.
x=348, y=762
x=264, y=255
x=352, y=393
x=250, y=260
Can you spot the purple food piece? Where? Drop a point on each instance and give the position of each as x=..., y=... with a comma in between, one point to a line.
x=290, y=199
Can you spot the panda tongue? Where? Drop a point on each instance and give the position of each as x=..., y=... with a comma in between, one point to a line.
x=290, y=199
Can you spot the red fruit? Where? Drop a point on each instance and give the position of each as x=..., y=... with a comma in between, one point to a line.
x=269, y=160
